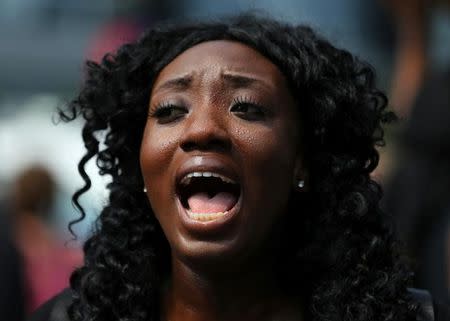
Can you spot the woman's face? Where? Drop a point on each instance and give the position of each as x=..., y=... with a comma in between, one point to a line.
x=220, y=152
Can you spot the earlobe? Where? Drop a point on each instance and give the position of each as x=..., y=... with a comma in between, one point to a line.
x=300, y=175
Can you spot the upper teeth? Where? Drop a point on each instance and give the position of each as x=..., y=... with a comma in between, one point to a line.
x=187, y=179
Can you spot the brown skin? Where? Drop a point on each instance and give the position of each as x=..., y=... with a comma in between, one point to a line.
x=224, y=273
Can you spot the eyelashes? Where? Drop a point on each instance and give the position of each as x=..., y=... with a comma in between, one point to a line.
x=243, y=107
x=248, y=109
x=167, y=112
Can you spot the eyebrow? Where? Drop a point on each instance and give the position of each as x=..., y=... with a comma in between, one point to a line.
x=243, y=81
x=235, y=80
x=179, y=83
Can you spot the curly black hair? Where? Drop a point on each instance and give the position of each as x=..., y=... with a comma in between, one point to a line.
x=349, y=270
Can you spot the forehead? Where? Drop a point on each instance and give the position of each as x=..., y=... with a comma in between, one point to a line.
x=214, y=58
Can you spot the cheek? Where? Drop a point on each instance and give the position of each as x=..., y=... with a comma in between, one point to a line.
x=156, y=142
x=268, y=147
x=269, y=163
x=269, y=156
x=156, y=153
x=157, y=150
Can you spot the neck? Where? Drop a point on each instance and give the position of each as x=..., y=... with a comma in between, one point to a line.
x=248, y=292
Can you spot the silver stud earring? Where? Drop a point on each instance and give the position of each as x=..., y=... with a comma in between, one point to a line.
x=301, y=183
x=145, y=189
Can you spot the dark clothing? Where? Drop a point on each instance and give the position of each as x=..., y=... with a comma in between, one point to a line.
x=12, y=296
x=55, y=310
x=441, y=312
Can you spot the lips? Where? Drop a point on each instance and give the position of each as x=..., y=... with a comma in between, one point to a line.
x=208, y=191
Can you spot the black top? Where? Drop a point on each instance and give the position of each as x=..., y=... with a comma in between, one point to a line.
x=12, y=292
x=442, y=312
x=55, y=309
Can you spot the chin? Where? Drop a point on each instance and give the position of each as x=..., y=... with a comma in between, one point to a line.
x=213, y=254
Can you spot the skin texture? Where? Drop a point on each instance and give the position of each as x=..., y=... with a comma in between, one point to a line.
x=250, y=128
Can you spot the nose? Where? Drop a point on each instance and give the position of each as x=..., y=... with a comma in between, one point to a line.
x=205, y=131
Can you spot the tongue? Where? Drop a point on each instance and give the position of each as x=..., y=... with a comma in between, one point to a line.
x=202, y=203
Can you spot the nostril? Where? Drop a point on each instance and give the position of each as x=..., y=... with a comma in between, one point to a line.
x=188, y=146
x=205, y=132
x=212, y=144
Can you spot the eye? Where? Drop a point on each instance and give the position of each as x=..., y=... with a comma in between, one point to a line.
x=167, y=113
x=248, y=109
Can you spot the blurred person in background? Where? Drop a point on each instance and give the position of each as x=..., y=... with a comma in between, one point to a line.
x=413, y=66
x=418, y=194
x=411, y=19
x=418, y=191
x=47, y=262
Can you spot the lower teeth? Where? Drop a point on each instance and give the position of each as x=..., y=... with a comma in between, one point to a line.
x=205, y=216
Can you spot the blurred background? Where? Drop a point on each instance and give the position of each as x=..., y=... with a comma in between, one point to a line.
x=43, y=44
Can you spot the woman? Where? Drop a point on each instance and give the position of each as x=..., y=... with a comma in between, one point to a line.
x=240, y=154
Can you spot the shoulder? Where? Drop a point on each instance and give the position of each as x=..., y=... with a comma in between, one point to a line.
x=55, y=309
x=429, y=309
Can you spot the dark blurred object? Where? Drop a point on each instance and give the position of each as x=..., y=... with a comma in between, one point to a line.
x=47, y=262
x=415, y=61
x=428, y=130
x=418, y=195
x=12, y=296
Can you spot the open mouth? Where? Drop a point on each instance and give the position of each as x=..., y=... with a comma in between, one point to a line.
x=207, y=196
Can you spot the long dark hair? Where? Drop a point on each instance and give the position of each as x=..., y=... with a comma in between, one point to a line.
x=347, y=269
